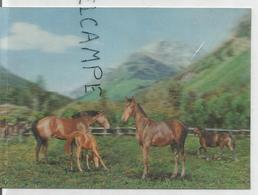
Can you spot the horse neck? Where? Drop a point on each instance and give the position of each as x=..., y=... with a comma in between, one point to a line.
x=85, y=121
x=140, y=118
x=89, y=120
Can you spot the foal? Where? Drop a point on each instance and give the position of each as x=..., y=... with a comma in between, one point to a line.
x=86, y=141
x=59, y=128
x=215, y=139
x=156, y=133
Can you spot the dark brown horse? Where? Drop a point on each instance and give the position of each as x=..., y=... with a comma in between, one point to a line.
x=59, y=128
x=153, y=133
x=215, y=139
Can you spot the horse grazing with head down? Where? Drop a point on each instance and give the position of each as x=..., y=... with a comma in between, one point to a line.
x=156, y=133
x=83, y=140
x=215, y=139
x=60, y=128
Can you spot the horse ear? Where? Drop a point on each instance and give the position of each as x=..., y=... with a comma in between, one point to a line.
x=126, y=98
x=133, y=99
x=101, y=112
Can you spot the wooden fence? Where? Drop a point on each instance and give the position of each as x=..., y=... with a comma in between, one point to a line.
x=131, y=131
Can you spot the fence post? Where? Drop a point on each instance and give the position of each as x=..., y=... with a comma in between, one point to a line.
x=105, y=131
x=118, y=132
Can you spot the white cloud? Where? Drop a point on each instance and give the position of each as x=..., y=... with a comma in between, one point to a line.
x=26, y=36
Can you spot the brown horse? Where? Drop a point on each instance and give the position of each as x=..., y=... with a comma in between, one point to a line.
x=215, y=139
x=59, y=128
x=86, y=141
x=152, y=133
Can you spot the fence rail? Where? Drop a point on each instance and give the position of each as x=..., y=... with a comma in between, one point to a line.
x=131, y=131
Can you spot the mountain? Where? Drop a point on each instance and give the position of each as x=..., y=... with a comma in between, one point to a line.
x=153, y=62
x=214, y=91
x=19, y=91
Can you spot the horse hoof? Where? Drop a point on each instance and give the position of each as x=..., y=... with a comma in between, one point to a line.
x=173, y=176
x=144, y=176
x=182, y=176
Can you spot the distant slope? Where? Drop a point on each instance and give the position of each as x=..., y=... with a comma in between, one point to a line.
x=213, y=91
x=141, y=69
x=215, y=71
x=19, y=91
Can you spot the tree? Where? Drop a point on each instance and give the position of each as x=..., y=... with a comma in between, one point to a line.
x=175, y=93
x=40, y=81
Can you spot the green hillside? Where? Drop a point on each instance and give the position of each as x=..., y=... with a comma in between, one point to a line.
x=214, y=91
x=21, y=92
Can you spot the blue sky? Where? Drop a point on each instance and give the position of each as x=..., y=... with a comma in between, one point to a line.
x=44, y=41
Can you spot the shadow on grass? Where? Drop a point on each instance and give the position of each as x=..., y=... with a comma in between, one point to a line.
x=159, y=176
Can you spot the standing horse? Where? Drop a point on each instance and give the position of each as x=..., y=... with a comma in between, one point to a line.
x=153, y=133
x=59, y=128
x=215, y=139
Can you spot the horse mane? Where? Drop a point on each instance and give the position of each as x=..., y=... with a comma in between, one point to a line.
x=90, y=113
x=141, y=110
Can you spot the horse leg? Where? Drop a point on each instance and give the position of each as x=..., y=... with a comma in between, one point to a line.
x=145, y=150
x=199, y=151
x=232, y=148
x=38, y=146
x=182, y=157
x=221, y=150
x=100, y=159
x=37, y=150
x=71, y=158
x=205, y=152
x=87, y=161
x=78, y=155
x=176, y=153
x=45, y=150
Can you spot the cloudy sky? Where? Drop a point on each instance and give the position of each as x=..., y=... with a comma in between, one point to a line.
x=45, y=41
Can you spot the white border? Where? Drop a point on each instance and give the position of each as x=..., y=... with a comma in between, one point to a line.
x=130, y=3
x=178, y=4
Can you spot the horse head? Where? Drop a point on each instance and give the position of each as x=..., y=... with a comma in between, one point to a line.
x=93, y=158
x=130, y=108
x=197, y=131
x=90, y=117
x=102, y=120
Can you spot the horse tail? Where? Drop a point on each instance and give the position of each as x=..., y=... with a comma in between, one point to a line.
x=35, y=132
x=233, y=139
x=233, y=145
x=185, y=131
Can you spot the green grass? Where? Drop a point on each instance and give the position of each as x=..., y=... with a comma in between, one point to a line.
x=234, y=73
x=123, y=156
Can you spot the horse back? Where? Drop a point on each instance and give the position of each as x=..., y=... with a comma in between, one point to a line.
x=213, y=139
x=210, y=139
x=45, y=126
x=178, y=129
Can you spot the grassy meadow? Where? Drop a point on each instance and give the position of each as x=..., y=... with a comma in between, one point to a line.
x=122, y=155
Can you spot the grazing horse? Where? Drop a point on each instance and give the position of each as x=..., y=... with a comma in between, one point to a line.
x=83, y=140
x=59, y=128
x=215, y=139
x=156, y=133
